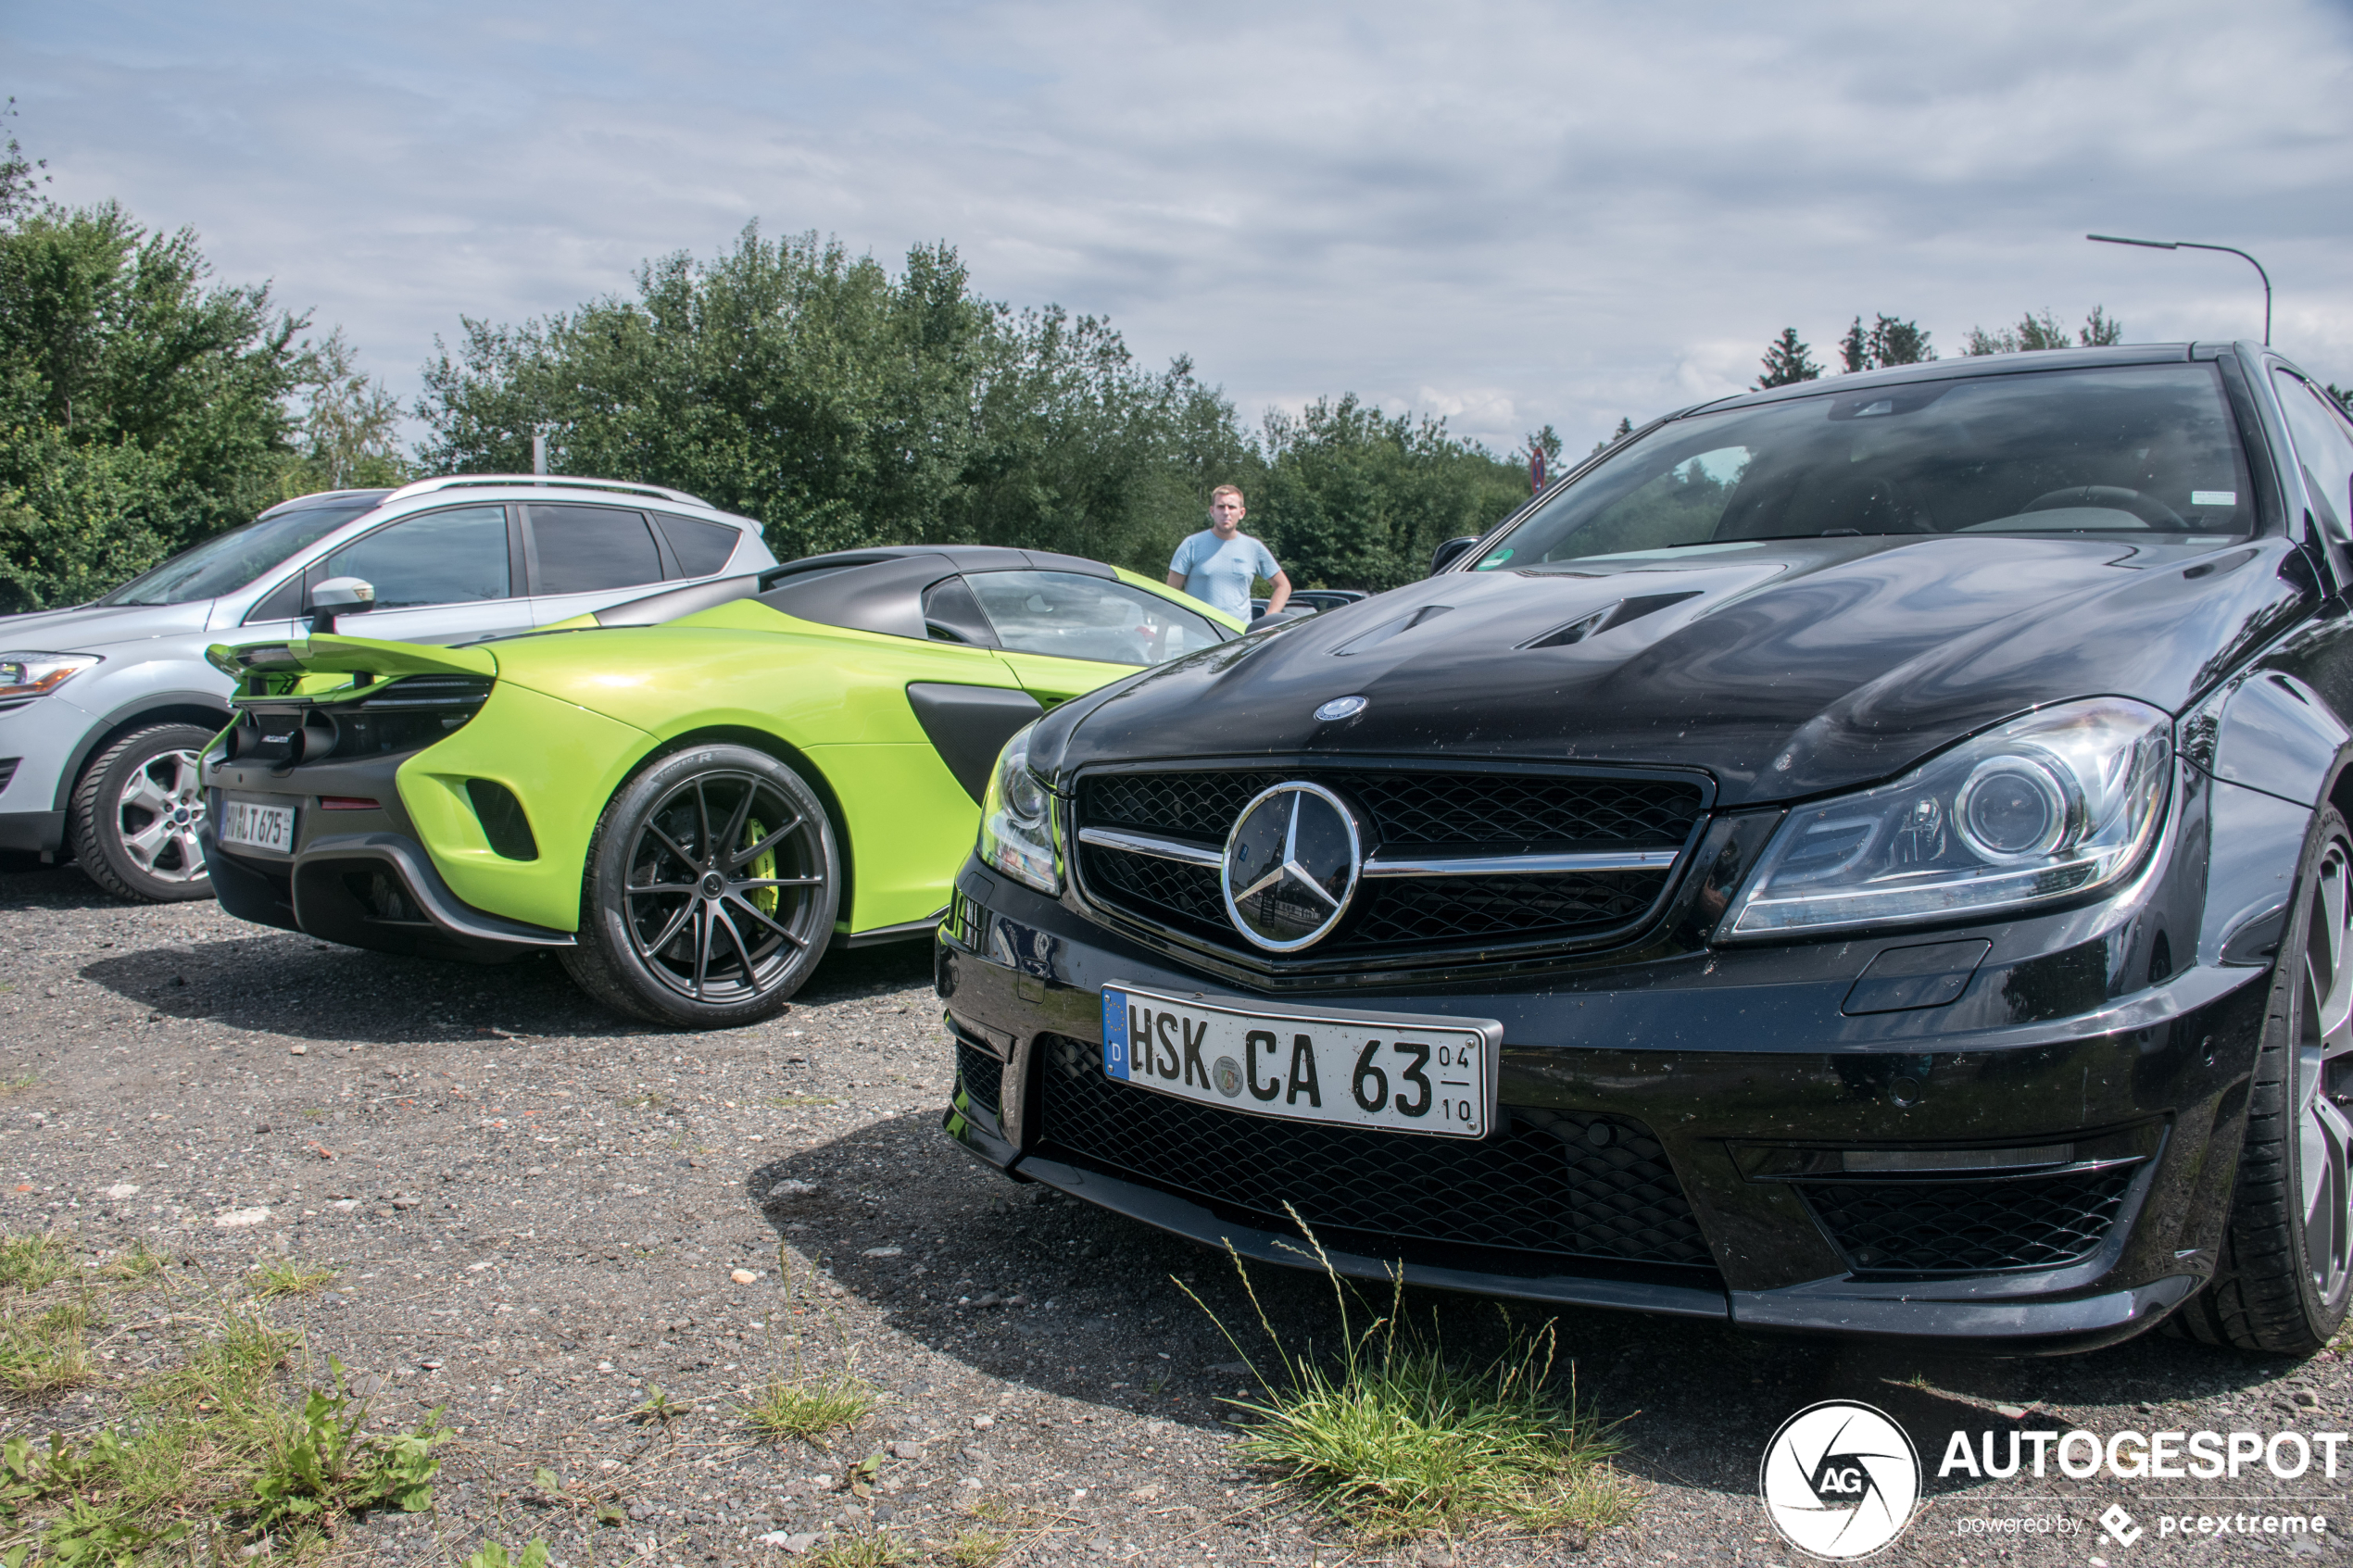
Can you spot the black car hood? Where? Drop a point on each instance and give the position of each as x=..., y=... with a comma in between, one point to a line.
x=1783, y=668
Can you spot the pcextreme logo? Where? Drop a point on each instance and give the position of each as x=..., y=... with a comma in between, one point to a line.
x=1840, y=1480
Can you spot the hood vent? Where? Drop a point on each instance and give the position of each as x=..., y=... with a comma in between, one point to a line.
x=1606, y=618
x=1386, y=630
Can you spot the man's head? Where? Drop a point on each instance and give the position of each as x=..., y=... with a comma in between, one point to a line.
x=1226, y=511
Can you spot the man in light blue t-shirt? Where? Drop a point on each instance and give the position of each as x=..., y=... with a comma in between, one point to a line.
x=1216, y=565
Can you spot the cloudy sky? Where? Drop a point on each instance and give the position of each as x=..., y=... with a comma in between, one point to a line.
x=1508, y=214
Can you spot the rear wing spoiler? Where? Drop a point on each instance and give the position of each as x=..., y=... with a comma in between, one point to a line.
x=282, y=669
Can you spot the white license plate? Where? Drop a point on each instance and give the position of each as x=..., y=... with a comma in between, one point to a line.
x=1401, y=1072
x=257, y=827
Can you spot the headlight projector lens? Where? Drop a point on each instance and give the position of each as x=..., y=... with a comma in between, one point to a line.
x=2012, y=808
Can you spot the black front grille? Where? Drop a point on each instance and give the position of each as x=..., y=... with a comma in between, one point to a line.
x=1970, y=1227
x=1554, y=1185
x=1408, y=811
x=8, y=770
x=1420, y=809
x=982, y=1074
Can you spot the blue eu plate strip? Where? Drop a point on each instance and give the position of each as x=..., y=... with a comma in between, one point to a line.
x=1114, y=1034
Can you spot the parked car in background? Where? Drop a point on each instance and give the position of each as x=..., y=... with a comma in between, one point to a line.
x=106, y=707
x=688, y=796
x=1317, y=599
x=1869, y=857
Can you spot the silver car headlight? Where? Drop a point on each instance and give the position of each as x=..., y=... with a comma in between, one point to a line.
x=1017, y=819
x=38, y=674
x=2059, y=803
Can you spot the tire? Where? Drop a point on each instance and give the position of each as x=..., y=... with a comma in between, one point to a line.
x=133, y=816
x=2286, y=1271
x=676, y=928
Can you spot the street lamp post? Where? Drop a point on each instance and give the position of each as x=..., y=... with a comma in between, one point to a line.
x=2192, y=244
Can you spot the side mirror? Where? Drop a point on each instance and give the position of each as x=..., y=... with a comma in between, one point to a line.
x=1449, y=552
x=339, y=595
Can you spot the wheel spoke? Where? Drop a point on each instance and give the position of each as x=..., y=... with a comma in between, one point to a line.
x=724, y=848
x=655, y=833
x=148, y=843
x=765, y=845
x=702, y=944
x=659, y=887
x=651, y=950
x=753, y=910
x=702, y=817
x=143, y=793
x=2334, y=1021
x=735, y=939
x=779, y=881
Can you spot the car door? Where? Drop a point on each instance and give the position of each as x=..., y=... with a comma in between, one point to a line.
x=584, y=557
x=441, y=576
x=1063, y=633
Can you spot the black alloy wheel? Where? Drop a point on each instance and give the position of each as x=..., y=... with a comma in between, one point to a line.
x=711, y=887
x=135, y=813
x=2285, y=1274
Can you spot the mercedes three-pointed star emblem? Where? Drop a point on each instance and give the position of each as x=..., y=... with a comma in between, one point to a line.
x=1292, y=864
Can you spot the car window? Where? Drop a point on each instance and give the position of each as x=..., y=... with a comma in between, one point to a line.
x=953, y=615
x=2127, y=448
x=1073, y=617
x=455, y=557
x=228, y=561
x=2323, y=447
x=702, y=547
x=586, y=549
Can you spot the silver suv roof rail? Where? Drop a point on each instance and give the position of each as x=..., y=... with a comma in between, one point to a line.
x=551, y=481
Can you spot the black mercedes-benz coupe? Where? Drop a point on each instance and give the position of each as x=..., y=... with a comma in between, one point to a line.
x=1869, y=855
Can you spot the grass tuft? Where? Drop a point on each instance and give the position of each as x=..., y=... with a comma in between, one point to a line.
x=44, y=1354
x=1396, y=1437
x=863, y=1548
x=789, y=1406
x=34, y=1262
x=137, y=1266
x=291, y=1277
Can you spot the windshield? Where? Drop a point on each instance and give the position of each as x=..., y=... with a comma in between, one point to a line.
x=2131, y=449
x=226, y=562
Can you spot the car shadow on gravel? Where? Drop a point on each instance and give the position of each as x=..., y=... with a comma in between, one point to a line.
x=1023, y=1284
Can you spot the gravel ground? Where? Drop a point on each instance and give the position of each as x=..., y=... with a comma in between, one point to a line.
x=540, y=1212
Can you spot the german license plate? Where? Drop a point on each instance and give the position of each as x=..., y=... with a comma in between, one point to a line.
x=257, y=826
x=1402, y=1073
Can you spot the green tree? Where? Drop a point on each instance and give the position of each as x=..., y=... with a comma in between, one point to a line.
x=1354, y=499
x=20, y=178
x=142, y=407
x=2035, y=331
x=1624, y=428
x=1886, y=342
x=1788, y=361
x=2344, y=394
x=841, y=404
x=348, y=435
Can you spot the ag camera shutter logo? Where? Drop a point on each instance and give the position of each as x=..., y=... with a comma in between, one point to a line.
x=1840, y=1480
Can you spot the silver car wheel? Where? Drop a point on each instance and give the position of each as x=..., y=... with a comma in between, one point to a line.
x=2323, y=1056
x=156, y=816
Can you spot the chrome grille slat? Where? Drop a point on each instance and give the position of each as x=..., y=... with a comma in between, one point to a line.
x=1459, y=858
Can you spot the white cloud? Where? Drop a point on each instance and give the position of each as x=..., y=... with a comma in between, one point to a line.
x=1505, y=213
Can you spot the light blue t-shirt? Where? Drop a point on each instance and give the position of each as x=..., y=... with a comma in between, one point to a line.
x=1219, y=571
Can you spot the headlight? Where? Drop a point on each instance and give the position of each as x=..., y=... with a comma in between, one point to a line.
x=1016, y=820
x=38, y=674
x=2046, y=806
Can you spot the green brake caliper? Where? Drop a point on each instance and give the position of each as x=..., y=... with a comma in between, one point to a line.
x=761, y=899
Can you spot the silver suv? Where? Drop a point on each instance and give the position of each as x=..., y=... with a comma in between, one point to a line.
x=105, y=706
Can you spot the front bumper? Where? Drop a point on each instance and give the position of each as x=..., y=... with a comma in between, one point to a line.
x=1733, y=1074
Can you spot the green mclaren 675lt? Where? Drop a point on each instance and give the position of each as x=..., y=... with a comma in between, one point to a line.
x=687, y=797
